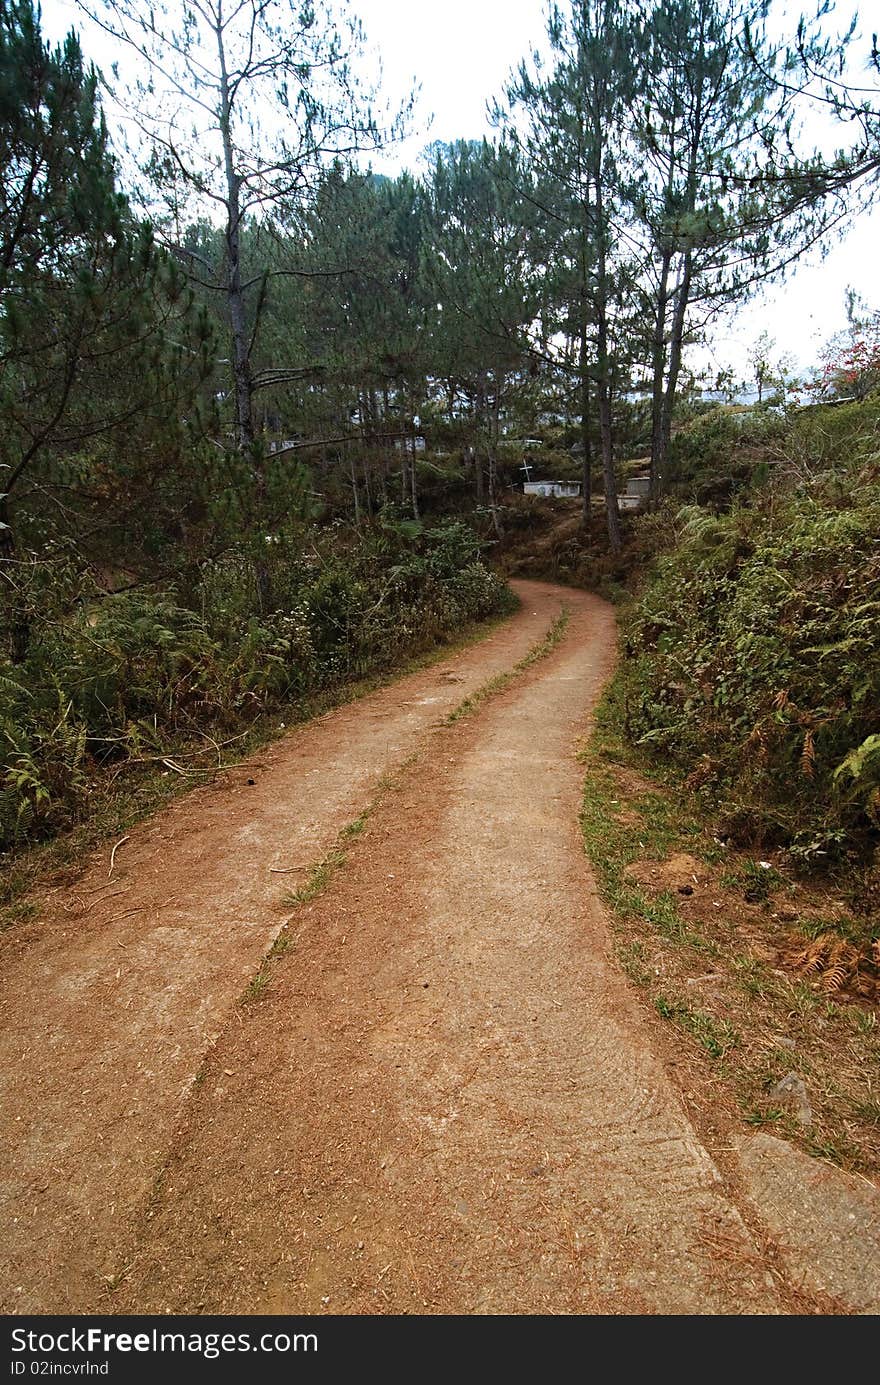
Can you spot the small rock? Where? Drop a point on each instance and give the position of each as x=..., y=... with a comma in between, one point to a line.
x=791, y=1088
x=710, y=991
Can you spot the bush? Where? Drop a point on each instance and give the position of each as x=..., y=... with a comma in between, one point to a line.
x=719, y=454
x=754, y=653
x=115, y=680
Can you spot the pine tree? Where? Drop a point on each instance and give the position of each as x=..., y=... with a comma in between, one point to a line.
x=97, y=333
x=242, y=107
x=576, y=120
x=484, y=279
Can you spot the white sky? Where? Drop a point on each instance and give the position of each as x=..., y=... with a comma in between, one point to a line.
x=461, y=51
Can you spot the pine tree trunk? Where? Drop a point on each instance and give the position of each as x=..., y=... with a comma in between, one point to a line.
x=383, y=479
x=354, y=490
x=368, y=483
x=494, y=433
x=244, y=419
x=606, y=433
x=235, y=301
x=587, y=462
x=606, y=430
x=374, y=446
x=658, y=370
x=682, y=291
x=412, y=476
x=480, y=407
x=368, y=436
x=676, y=342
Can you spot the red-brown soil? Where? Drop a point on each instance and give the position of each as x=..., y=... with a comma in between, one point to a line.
x=444, y=1099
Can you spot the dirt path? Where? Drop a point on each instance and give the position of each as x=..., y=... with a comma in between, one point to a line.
x=109, y=1002
x=444, y=1100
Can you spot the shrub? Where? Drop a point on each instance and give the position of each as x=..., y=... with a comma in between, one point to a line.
x=754, y=653
x=119, y=679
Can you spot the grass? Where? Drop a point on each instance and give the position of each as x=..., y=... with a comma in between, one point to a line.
x=319, y=878
x=323, y=871
x=717, y=1037
x=712, y=965
x=758, y=881
x=19, y=911
x=255, y=987
x=538, y=651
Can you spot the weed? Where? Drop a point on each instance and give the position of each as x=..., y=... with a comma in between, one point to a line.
x=771, y=1116
x=495, y=685
x=868, y=1111
x=631, y=957
x=756, y=881
x=319, y=878
x=354, y=829
x=282, y=943
x=19, y=911
x=715, y=1036
x=752, y=976
x=256, y=987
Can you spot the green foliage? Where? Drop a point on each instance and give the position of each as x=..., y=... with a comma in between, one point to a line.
x=121, y=679
x=715, y=1036
x=718, y=454
x=754, y=653
x=102, y=350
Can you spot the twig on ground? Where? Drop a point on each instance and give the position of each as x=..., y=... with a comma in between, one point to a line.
x=116, y=917
x=121, y=842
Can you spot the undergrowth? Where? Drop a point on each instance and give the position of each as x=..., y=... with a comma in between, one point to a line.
x=753, y=652
x=732, y=978
x=117, y=687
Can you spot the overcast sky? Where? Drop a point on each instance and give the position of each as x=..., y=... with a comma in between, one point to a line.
x=461, y=52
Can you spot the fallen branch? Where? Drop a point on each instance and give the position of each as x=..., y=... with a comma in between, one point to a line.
x=116, y=917
x=121, y=842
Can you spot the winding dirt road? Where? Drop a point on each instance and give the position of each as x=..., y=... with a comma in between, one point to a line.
x=445, y=1098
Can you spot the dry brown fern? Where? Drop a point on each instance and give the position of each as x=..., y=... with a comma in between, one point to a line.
x=808, y=754
x=703, y=772
x=806, y=959
x=836, y=964
x=757, y=742
x=841, y=964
